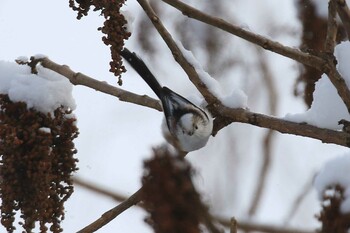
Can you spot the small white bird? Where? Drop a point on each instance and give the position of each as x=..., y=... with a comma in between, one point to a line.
x=189, y=125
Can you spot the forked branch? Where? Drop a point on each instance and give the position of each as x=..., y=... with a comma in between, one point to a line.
x=325, y=64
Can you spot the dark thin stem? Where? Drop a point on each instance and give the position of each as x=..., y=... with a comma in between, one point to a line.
x=250, y=226
x=264, y=42
x=113, y=213
x=331, y=28
x=269, y=136
x=344, y=14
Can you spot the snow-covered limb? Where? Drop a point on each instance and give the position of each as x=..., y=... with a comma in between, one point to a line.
x=228, y=115
x=235, y=99
x=324, y=64
x=328, y=108
x=77, y=78
x=45, y=91
x=225, y=115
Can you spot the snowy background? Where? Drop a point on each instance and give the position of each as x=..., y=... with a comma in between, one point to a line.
x=116, y=137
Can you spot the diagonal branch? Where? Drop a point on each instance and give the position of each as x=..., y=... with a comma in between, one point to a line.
x=344, y=14
x=269, y=136
x=178, y=56
x=113, y=213
x=264, y=42
x=95, y=188
x=331, y=70
x=337, y=80
x=84, y=80
x=135, y=199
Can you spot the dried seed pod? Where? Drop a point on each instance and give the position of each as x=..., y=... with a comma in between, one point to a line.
x=36, y=165
x=114, y=27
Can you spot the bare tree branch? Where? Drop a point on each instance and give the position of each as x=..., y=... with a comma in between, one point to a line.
x=178, y=56
x=94, y=188
x=338, y=81
x=136, y=198
x=113, y=213
x=84, y=80
x=331, y=28
x=250, y=226
x=265, y=43
x=344, y=14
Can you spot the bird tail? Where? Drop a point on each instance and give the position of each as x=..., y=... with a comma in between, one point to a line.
x=141, y=68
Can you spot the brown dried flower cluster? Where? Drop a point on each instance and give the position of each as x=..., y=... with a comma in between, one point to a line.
x=36, y=164
x=169, y=195
x=114, y=27
x=331, y=217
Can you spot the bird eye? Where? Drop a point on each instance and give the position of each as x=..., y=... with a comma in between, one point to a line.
x=195, y=127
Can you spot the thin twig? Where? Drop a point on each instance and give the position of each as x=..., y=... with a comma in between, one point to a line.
x=250, y=226
x=94, y=188
x=178, y=56
x=268, y=138
x=326, y=64
x=84, y=80
x=331, y=28
x=344, y=14
x=225, y=222
x=113, y=213
x=299, y=198
x=135, y=199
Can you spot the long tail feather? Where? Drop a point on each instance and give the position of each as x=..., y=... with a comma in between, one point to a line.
x=141, y=68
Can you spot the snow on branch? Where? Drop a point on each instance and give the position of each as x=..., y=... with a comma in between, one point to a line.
x=325, y=63
x=77, y=78
x=178, y=55
x=225, y=115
